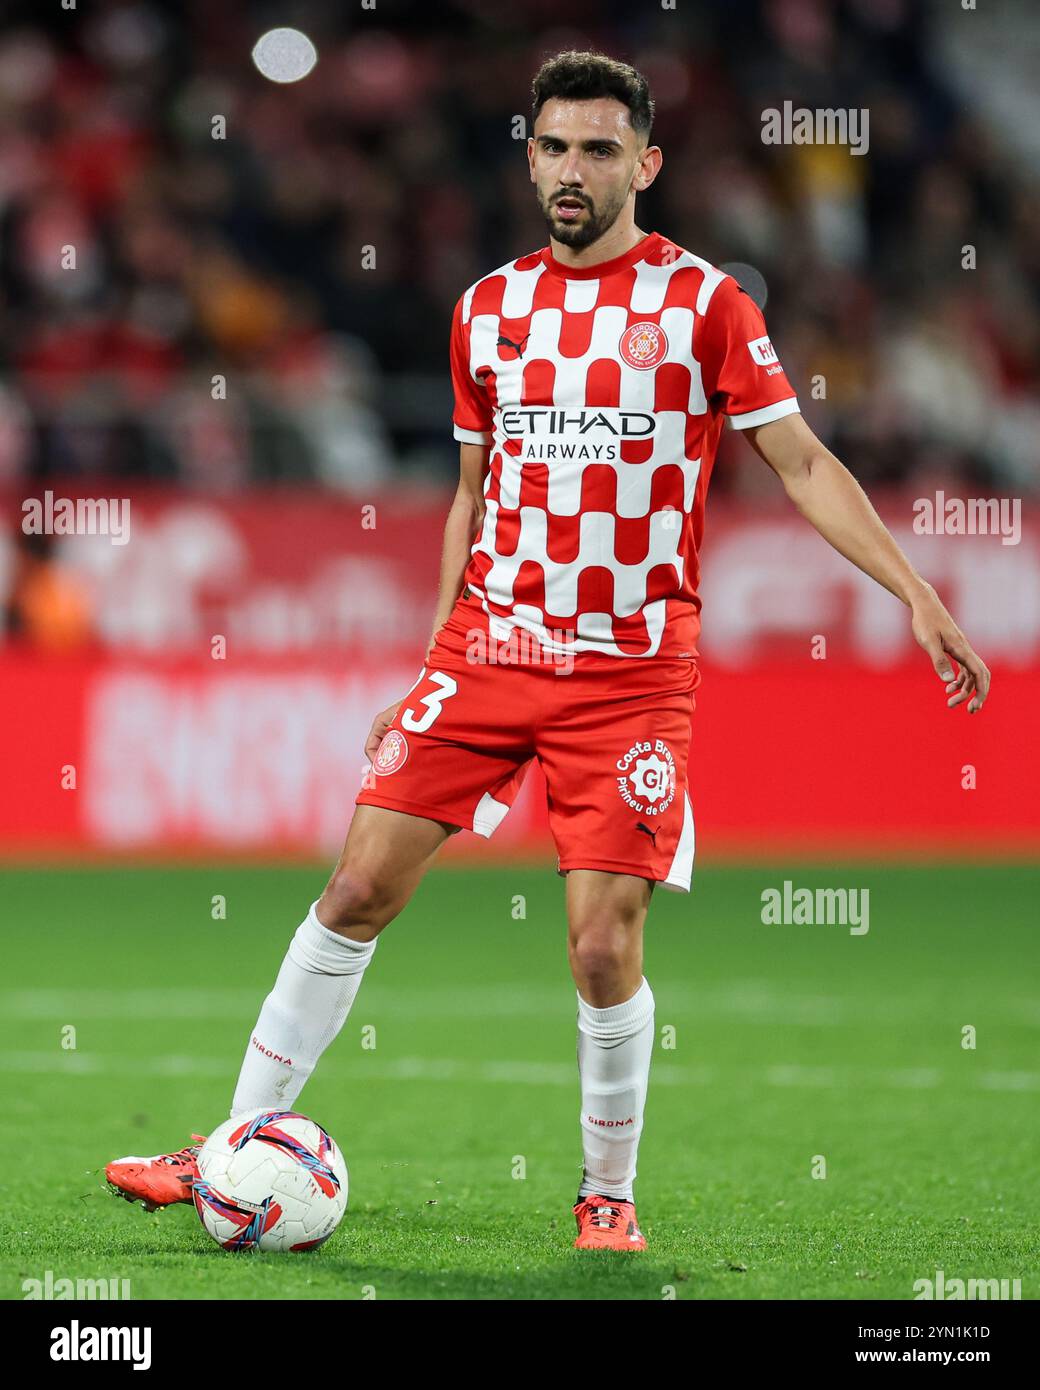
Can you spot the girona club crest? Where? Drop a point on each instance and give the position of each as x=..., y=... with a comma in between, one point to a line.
x=391, y=755
x=643, y=345
x=647, y=779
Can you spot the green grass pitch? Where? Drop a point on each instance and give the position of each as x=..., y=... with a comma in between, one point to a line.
x=790, y=1042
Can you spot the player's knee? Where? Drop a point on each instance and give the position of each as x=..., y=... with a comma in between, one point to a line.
x=599, y=954
x=357, y=902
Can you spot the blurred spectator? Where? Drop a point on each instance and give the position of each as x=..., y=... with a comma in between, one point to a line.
x=48, y=607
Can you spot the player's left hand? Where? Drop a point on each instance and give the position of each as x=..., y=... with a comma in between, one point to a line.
x=967, y=675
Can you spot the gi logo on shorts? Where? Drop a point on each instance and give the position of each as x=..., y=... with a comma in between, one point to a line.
x=647, y=783
x=643, y=345
x=392, y=753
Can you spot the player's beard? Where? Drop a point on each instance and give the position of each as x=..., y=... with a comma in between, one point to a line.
x=590, y=228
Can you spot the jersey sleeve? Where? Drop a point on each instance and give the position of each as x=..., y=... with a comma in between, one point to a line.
x=473, y=416
x=741, y=372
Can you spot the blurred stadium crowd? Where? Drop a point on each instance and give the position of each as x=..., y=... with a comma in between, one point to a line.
x=313, y=256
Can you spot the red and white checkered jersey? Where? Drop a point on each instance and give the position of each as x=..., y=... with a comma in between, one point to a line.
x=602, y=393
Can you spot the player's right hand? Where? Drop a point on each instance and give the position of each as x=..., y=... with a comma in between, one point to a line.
x=380, y=724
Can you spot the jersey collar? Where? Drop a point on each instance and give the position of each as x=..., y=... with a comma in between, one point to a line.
x=639, y=252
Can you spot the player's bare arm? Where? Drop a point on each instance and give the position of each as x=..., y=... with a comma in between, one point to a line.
x=465, y=518
x=831, y=499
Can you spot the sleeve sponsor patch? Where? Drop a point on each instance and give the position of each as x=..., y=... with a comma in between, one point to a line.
x=762, y=352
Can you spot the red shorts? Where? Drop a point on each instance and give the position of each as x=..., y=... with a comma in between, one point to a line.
x=612, y=736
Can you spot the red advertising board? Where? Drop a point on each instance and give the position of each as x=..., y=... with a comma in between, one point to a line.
x=820, y=727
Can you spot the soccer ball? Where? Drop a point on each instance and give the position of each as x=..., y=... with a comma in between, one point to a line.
x=270, y=1180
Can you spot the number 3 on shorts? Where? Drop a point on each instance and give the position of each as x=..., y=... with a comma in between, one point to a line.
x=432, y=703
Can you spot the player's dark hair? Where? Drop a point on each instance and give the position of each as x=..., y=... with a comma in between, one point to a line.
x=586, y=76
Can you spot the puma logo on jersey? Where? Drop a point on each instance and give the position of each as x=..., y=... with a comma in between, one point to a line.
x=518, y=348
x=647, y=831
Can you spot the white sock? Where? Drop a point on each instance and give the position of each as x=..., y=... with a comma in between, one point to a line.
x=318, y=981
x=614, y=1047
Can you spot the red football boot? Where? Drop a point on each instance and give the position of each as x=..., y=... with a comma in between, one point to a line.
x=158, y=1181
x=607, y=1223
